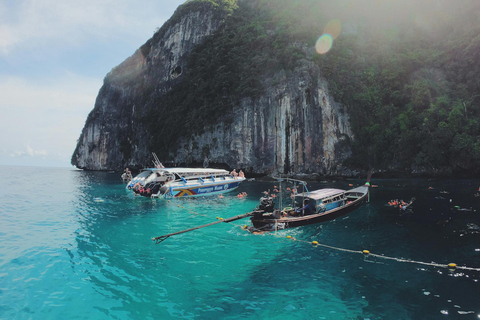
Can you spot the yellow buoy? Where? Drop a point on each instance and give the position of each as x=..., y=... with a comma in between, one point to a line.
x=221, y=218
x=289, y=237
x=245, y=227
x=366, y=252
x=452, y=265
x=315, y=242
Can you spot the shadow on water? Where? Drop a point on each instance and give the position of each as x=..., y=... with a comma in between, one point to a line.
x=295, y=278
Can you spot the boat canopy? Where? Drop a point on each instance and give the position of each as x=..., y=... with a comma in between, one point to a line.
x=321, y=194
x=182, y=171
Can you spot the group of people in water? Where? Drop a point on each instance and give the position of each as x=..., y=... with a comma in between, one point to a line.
x=402, y=205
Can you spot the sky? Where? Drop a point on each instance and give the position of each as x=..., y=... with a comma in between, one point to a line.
x=54, y=55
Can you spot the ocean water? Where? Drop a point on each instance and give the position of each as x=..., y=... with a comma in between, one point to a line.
x=66, y=254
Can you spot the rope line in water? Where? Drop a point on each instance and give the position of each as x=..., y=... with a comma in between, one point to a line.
x=368, y=253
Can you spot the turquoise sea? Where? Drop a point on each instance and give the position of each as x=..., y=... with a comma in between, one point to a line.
x=65, y=254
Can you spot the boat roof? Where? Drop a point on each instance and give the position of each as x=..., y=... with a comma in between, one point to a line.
x=321, y=193
x=189, y=170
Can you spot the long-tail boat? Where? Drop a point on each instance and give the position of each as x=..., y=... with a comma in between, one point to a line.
x=316, y=206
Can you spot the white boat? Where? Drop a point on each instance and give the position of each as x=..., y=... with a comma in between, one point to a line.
x=183, y=182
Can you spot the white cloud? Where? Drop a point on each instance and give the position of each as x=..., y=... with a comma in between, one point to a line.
x=67, y=91
x=31, y=23
x=43, y=108
x=29, y=152
x=44, y=120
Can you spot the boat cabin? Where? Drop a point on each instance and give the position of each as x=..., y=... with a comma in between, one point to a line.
x=321, y=200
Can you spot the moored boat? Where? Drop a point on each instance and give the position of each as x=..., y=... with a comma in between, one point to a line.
x=318, y=206
x=183, y=182
x=315, y=207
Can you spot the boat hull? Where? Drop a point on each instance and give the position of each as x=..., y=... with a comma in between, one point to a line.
x=183, y=182
x=202, y=190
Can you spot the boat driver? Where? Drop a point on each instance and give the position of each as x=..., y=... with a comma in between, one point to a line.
x=306, y=210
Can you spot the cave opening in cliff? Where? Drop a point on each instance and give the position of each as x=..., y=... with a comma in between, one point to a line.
x=177, y=71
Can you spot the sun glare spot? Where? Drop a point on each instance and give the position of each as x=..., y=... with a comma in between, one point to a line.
x=333, y=28
x=422, y=22
x=324, y=43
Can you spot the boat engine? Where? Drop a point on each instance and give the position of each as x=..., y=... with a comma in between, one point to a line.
x=266, y=204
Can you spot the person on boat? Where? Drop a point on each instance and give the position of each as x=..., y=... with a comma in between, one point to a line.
x=234, y=174
x=127, y=175
x=306, y=210
x=241, y=174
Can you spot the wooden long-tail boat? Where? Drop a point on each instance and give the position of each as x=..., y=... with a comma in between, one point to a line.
x=318, y=206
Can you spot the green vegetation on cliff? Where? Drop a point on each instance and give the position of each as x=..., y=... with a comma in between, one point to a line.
x=407, y=71
x=411, y=86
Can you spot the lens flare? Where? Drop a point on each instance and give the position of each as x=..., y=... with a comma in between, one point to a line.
x=324, y=43
x=333, y=28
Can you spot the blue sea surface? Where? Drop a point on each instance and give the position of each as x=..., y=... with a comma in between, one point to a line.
x=76, y=245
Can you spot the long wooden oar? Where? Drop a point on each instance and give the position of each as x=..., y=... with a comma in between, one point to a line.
x=165, y=237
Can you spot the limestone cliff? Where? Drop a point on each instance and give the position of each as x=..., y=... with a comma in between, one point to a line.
x=112, y=137
x=294, y=126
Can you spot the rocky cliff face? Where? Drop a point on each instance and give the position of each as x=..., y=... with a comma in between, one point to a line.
x=112, y=126
x=294, y=127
